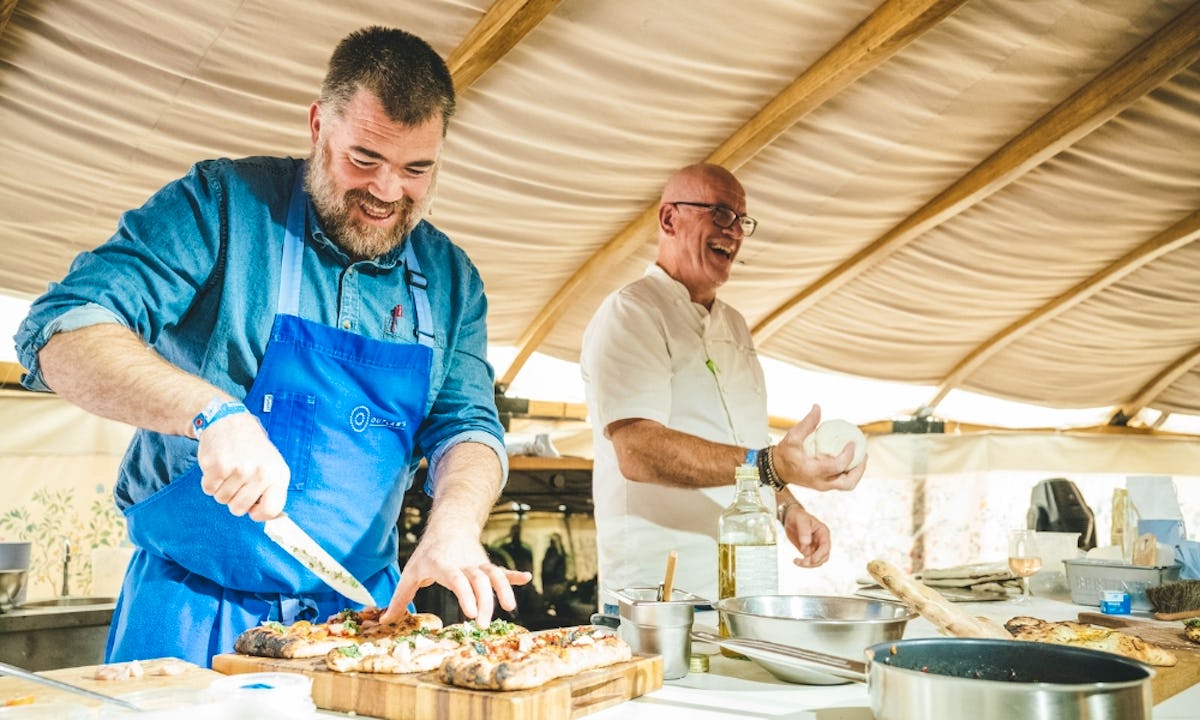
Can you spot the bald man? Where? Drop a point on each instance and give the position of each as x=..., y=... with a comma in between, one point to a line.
x=676, y=399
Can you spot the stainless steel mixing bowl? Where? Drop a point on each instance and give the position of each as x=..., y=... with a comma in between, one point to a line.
x=843, y=626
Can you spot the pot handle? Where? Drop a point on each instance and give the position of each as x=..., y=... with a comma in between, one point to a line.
x=811, y=659
x=603, y=620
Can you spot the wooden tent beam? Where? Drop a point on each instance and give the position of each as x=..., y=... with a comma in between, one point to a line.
x=7, y=8
x=504, y=25
x=1165, y=53
x=1158, y=385
x=885, y=32
x=1178, y=235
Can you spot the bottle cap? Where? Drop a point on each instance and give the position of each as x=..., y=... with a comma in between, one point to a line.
x=698, y=663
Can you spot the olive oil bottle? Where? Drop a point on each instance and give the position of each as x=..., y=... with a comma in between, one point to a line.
x=746, y=558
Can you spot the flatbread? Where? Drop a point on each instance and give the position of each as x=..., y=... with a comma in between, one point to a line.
x=304, y=639
x=529, y=660
x=420, y=650
x=1089, y=636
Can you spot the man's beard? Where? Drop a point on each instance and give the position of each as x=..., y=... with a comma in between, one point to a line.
x=334, y=208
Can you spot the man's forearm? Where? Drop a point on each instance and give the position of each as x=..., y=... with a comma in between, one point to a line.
x=108, y=370
x=465, y=489
x=650, y=452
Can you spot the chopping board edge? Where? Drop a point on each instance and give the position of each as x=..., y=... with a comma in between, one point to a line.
x=1167, y=634
x=1167, y=681
x=423, y=695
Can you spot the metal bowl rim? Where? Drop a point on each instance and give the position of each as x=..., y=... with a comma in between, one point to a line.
x=905, y=616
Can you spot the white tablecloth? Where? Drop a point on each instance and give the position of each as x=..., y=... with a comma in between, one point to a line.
x=741, y=689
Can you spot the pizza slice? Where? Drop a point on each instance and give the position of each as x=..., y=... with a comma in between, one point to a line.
x=1089, y=636
x=529, y=660
x=415, y=648
x=304, y=639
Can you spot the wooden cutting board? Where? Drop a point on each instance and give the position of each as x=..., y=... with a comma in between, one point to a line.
x=1167, y=681
x=192, y=677
x=422, y=695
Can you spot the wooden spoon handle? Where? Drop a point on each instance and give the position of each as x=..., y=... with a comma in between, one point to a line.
x=669, y=576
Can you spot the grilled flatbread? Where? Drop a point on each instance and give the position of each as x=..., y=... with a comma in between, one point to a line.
x=420, y=650
x=303, y=639
x=528, y=660
x=1089, y=636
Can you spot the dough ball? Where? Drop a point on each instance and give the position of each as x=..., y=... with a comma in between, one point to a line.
x=832, y=435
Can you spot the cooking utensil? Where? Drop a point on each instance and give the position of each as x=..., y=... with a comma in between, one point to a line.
x=833, y=625
x=653, y=626
x=1145, y=550
x=947, y=618
x=668, y=577
x=15, y=671
x=297, y=543
x=981, y=678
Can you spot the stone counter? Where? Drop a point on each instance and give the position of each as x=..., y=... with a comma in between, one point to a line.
x=48, y=638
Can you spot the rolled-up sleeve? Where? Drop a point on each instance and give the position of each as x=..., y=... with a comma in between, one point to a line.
x=144, y=277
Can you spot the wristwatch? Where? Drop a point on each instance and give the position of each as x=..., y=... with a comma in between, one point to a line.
x=783, y=507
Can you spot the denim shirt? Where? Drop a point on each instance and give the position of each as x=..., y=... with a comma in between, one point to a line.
x=196, y=270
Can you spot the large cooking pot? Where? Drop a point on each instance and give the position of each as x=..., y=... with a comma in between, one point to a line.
x=985, y=679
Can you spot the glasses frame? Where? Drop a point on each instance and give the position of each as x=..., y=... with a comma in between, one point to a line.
x=747, y=223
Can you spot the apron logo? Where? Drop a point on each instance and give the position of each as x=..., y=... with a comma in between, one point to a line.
x=361, y=420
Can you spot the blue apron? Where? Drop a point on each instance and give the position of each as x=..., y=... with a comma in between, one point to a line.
x=343, y=410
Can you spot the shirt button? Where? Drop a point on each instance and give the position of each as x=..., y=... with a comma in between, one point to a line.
x=346, y=324
x=349, y=271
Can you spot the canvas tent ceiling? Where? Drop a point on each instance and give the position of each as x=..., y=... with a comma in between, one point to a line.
x=994, y=195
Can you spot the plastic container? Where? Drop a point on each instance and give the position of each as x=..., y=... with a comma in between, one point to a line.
x=267, y=696
x=1055, y=548
x=1089, y=578
x=1115, y=602
x=171, y=704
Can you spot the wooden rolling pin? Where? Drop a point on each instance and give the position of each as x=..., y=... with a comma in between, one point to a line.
x=948, y=619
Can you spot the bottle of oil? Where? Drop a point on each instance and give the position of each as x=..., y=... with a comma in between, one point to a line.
x=746, y=558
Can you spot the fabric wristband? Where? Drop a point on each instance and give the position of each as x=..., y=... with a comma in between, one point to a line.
x=751, y=457
x=214, y=411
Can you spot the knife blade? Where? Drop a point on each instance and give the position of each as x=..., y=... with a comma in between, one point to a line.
x=295, y=542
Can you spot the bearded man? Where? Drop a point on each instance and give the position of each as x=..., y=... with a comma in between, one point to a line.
x=289, y=334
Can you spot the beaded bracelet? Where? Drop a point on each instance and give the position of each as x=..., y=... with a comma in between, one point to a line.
x=766, y=469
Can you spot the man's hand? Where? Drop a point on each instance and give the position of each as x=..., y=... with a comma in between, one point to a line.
x=460, y=564
x=796, y=467
x=242, y=469
x=809, y=535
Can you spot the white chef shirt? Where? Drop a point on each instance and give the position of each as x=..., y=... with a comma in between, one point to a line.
x=644, y=356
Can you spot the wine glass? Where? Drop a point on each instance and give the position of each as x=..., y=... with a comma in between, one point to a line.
x=1024, y=558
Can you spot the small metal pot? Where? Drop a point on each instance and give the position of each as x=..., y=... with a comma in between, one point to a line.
x=656, y=626
x=984, y=679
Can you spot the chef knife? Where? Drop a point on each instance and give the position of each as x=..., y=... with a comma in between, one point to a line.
x=297, y=543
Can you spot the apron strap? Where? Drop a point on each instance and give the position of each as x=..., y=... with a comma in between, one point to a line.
x=416, y=285
x=293, y=250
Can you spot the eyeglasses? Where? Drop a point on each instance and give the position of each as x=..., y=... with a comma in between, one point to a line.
x=724, y=217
